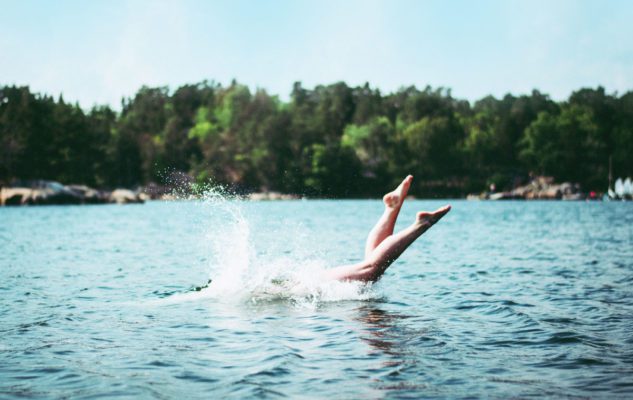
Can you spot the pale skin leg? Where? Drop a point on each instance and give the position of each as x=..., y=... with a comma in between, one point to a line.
x=384, y=227
x=385, y=252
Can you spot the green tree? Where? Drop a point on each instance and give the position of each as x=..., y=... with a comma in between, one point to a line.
x=433, y=146
x=373, y=144
x=332, y=170
x=565, y=145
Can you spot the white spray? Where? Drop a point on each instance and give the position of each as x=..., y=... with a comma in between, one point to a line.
x=238, y=274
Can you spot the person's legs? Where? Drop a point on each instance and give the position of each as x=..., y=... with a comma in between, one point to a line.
x=384, y=227
x=372, y=268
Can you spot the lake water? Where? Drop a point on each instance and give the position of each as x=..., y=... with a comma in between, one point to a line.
x=498, y=300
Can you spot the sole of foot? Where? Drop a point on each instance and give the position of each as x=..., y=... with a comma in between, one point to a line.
x=394, y=199
x=430, y=218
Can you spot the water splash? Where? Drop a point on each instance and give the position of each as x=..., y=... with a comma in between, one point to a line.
x=239, y=271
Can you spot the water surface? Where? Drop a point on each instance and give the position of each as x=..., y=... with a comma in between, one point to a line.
x=498, y=300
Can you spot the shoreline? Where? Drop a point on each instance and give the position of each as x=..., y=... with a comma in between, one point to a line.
x=41, y=192
x=266, y=197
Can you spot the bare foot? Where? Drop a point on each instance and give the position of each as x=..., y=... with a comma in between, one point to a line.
x=394, y=199
x=428, y=219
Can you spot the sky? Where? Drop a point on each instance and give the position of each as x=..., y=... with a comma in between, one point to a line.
x=97, y=52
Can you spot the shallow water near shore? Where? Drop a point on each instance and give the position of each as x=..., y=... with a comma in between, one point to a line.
x=498, y=300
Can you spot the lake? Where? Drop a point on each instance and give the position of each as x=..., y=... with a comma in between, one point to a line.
x=499, y=299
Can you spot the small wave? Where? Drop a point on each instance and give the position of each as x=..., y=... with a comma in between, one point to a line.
x=565, y=337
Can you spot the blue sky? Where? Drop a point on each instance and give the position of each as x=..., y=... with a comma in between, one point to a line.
x=97, y=51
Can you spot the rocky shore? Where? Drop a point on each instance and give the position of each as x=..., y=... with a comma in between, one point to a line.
x=540, y=188
x=52, y=193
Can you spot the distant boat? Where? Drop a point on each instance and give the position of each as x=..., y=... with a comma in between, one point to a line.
x=619, y=188
x=622, y=190
x=611, y=193
x=628, y=187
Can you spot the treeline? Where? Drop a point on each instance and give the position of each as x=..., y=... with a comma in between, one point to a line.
x=332, y=140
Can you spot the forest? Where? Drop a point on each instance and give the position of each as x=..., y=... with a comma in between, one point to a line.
x=330, y=141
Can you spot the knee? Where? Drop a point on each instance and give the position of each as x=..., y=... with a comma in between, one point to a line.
x=369, y=271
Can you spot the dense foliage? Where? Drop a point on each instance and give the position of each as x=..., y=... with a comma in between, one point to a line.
x=332, y=140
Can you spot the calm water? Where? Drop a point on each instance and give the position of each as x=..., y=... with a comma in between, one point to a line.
x=498, y=300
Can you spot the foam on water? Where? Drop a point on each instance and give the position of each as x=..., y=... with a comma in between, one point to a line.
x=239, y=272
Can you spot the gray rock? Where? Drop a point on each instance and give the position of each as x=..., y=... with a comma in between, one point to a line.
x=90, y=195
x=125, y=196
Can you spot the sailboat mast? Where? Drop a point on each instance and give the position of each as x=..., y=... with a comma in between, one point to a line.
x=610, y=172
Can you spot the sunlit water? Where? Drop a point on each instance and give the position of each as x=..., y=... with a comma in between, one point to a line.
x=498, y=300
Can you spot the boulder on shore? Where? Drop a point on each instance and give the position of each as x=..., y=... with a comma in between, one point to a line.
x=90, y=195
x=40, y=193
x=125, y=196
x=14, y=196
x=271, y=196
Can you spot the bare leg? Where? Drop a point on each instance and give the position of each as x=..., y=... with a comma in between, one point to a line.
x=384, y=227
x=372, y=268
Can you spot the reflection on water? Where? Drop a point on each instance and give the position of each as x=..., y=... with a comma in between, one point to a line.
x=382, y=332
x=499, y=300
